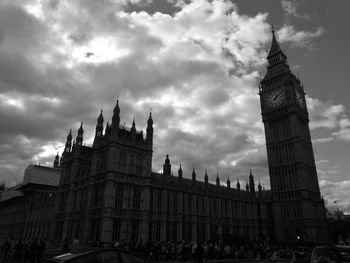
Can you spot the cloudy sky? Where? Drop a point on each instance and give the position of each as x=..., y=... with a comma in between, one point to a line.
x=196, y=64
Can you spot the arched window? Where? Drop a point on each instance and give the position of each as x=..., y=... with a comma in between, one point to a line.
x=122, y=160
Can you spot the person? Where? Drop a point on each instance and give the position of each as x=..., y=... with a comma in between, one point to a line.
x=41, y=250
x=6, y=249
x=65, y=247
x=33, y=251
x=18, y=252
x=199, y=252
x=75, y=245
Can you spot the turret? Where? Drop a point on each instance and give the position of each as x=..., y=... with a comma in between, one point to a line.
x=68, y=146
x=238, y=184
x=133, y=130
x=99, y=126
x=247, y=186
x=180, y=172
x=133, y=126
x=217, y=179
x=167, y=167
x=56, y=161
x=193, y=175
x=79, y=140
x=276, y=54
x=106, y=129
x=116, y=120
x=251, y=182
x=149, y=135
x=206, y=179
x=259, y=188
x=228, y=183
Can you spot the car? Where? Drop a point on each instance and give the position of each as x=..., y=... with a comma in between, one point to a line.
x=290, y=256
x=331, y=254
x=104, y=255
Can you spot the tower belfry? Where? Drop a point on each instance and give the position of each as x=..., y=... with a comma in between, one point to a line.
x=297, y=205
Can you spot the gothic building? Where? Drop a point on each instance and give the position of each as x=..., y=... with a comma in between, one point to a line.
x=298, y=209
x=108, y=191
x=26, y=210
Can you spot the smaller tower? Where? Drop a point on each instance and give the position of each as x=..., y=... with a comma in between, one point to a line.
x=206, y=177
x=133, y=131
x=107, y=128
x=238, y=184
x=79, y=140
x=167, y=166
x=180, y=172
x=56, y=161
x=193, y=175
x=251, y=182
x=115, y=121
x=99, y=126
x=149, y=135
x=68, y=146
x=247, y=186
x=217, y=179
x=133, y=126
x=228, y=183
x=259, y=188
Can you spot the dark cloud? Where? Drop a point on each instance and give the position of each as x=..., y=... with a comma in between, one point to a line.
x=61, y=62
x=79, y=38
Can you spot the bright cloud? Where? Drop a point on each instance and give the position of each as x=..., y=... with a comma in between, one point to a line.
x=62, y=61
x=301, y=38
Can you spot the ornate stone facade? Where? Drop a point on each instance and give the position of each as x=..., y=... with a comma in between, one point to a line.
x=26, y=210
x=299, y=211
x=109, y=192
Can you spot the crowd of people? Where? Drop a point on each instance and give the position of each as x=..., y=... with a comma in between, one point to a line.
x=195, y=251
x=19, y=251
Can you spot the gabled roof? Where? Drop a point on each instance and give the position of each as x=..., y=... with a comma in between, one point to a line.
x=275, y=48
x=10, y=193
x=43, y=175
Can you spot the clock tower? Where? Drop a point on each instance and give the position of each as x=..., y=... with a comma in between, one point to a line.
x=298, y=209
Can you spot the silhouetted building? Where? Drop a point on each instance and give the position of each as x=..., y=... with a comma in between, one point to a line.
x=298, y=209
x=108, y=191
x=26, y=210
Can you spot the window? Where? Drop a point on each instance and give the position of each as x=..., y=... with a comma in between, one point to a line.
x=131, y=164
x=137, y=197
x=116, y=229
x=139, y=165
x=122, y=160
x=119, y=196
x=134, y=230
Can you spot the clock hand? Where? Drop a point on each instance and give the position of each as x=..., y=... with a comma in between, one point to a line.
x=276, y=97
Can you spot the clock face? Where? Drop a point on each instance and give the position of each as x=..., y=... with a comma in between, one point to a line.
x=275, y=98
x=299, y=98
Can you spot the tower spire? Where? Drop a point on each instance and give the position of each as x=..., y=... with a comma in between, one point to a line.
x=56, y=162
x=180, y=172
x=275, y=48
x=99, y=125
x=68, y=142
x=79, y=140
